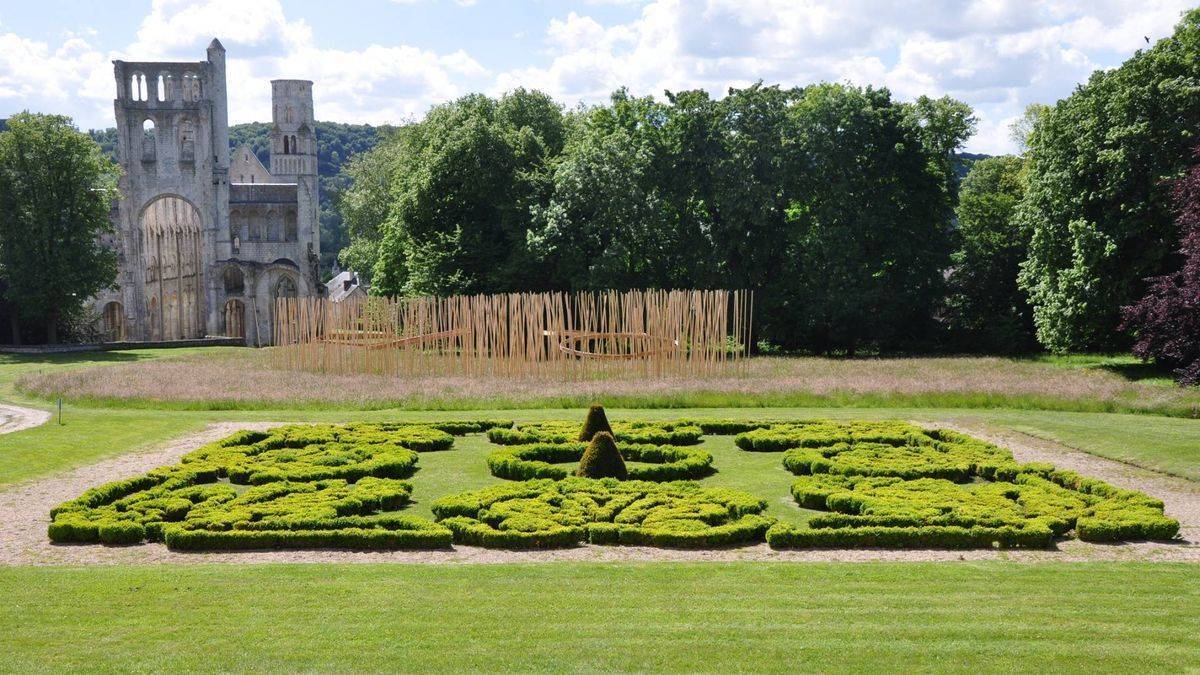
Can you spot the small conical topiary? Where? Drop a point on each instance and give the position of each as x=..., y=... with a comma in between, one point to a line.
x=596, y=421
x=601, y=459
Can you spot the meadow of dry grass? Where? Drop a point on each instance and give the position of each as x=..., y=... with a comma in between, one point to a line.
x=245, y=379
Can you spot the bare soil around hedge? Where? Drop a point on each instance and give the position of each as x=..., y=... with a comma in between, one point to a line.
x=25, y=508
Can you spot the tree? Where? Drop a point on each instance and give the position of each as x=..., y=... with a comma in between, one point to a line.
x=868, y=225
x=365, y=203
x=1095, y=202
x=1166, y=321
x=986, y=310
x=604, y=225
x=464, y=181
x=56, y=190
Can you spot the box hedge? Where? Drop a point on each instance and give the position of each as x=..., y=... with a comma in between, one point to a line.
x=558, y=460
x=649, y=433
x=896, y=485
x=312, y=486
x=554, y=514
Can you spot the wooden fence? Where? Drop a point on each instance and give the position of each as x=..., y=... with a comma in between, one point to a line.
x=554, y=335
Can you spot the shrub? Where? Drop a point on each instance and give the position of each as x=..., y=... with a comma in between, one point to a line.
x=651, y=433
x=595, y=422
x=552, y=514
x=312, y=486
x=722, y=427
x=548, y=460
x=896, y=485
x=601, y=459
x=791, y=536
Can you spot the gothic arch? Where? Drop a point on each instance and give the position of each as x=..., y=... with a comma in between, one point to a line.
x=113, y=321
x=234, y=281
x=171, y=231
x=235, y=318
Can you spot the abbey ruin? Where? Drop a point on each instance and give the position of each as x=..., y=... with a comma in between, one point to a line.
x=205, y=244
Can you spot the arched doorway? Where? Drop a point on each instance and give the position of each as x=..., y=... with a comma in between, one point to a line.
x=235, y=318
x=284, y=287
x=170, y=229
x=112, y=322
x=154, y=330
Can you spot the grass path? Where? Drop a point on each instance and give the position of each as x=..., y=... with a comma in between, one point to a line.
x=604, y=617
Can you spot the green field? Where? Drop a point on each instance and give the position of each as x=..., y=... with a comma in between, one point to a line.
x=576, y=616
x=604, y=617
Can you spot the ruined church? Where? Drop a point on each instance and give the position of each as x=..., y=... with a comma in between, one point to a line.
x=207, y=239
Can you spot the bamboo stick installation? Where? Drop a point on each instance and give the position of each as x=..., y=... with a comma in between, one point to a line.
x=552, y=335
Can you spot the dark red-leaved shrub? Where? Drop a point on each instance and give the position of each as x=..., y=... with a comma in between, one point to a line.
x=1166, y=321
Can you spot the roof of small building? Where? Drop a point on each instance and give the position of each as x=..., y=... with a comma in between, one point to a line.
x=343, y=285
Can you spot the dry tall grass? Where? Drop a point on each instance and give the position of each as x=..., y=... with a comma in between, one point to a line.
x=247, y=379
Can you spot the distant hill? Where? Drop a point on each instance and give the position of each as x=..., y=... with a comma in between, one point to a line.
x=336, y=143
x=964, y=160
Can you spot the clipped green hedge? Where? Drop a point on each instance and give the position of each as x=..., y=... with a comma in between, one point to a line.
x=452, y=427
x=894, y=484
x=558, y=460
x=727, y=427
x=555, y=514
x=312, y=486
x=782, y=536
x=646, y=433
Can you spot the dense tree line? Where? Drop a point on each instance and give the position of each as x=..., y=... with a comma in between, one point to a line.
x=1097, y=201
x=835, y=201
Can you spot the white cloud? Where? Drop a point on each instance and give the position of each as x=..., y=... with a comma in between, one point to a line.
x=998, y=55
x=372, y=84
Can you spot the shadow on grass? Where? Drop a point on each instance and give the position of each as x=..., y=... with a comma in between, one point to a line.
x=1137, y=372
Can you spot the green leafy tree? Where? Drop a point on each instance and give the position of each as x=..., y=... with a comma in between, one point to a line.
x=1096, y=203
x=56, y=190
x=867, y=225
x=464, y=181
x=605, y=224
x=986, y=310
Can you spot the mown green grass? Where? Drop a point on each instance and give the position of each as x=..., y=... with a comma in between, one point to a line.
x=1164, y=444
x=603, y=617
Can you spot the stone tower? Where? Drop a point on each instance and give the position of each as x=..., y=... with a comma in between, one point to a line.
x=294, y=155
x=198, y=254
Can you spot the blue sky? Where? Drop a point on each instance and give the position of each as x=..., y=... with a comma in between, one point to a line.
x=389, y=60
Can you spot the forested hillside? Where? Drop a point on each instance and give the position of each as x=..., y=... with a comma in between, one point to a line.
x=336, y=143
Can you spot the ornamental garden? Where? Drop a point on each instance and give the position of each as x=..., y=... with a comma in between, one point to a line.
x=858, y=484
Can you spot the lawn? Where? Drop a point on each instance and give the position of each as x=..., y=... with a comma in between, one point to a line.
x=575, y=616
x=604, y=617
x=229, y=379
x=1171, y=445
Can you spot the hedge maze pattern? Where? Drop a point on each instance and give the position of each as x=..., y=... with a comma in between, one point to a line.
x=869, y=484
x=653, y=451
x=553, y=514
x=892, y=485
x=311, y=487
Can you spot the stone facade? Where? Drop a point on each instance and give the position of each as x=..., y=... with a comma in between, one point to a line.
x=205, y=246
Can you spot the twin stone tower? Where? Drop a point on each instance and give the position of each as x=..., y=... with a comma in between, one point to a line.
x=206, y=242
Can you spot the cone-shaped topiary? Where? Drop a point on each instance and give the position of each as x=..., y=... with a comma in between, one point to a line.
x=602, y=459
x=596, y=421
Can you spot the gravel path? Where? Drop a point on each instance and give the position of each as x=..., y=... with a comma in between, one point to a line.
x=24, y=510
x=15, y=418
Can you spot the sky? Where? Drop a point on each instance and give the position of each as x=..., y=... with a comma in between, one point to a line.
x=388, y=61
